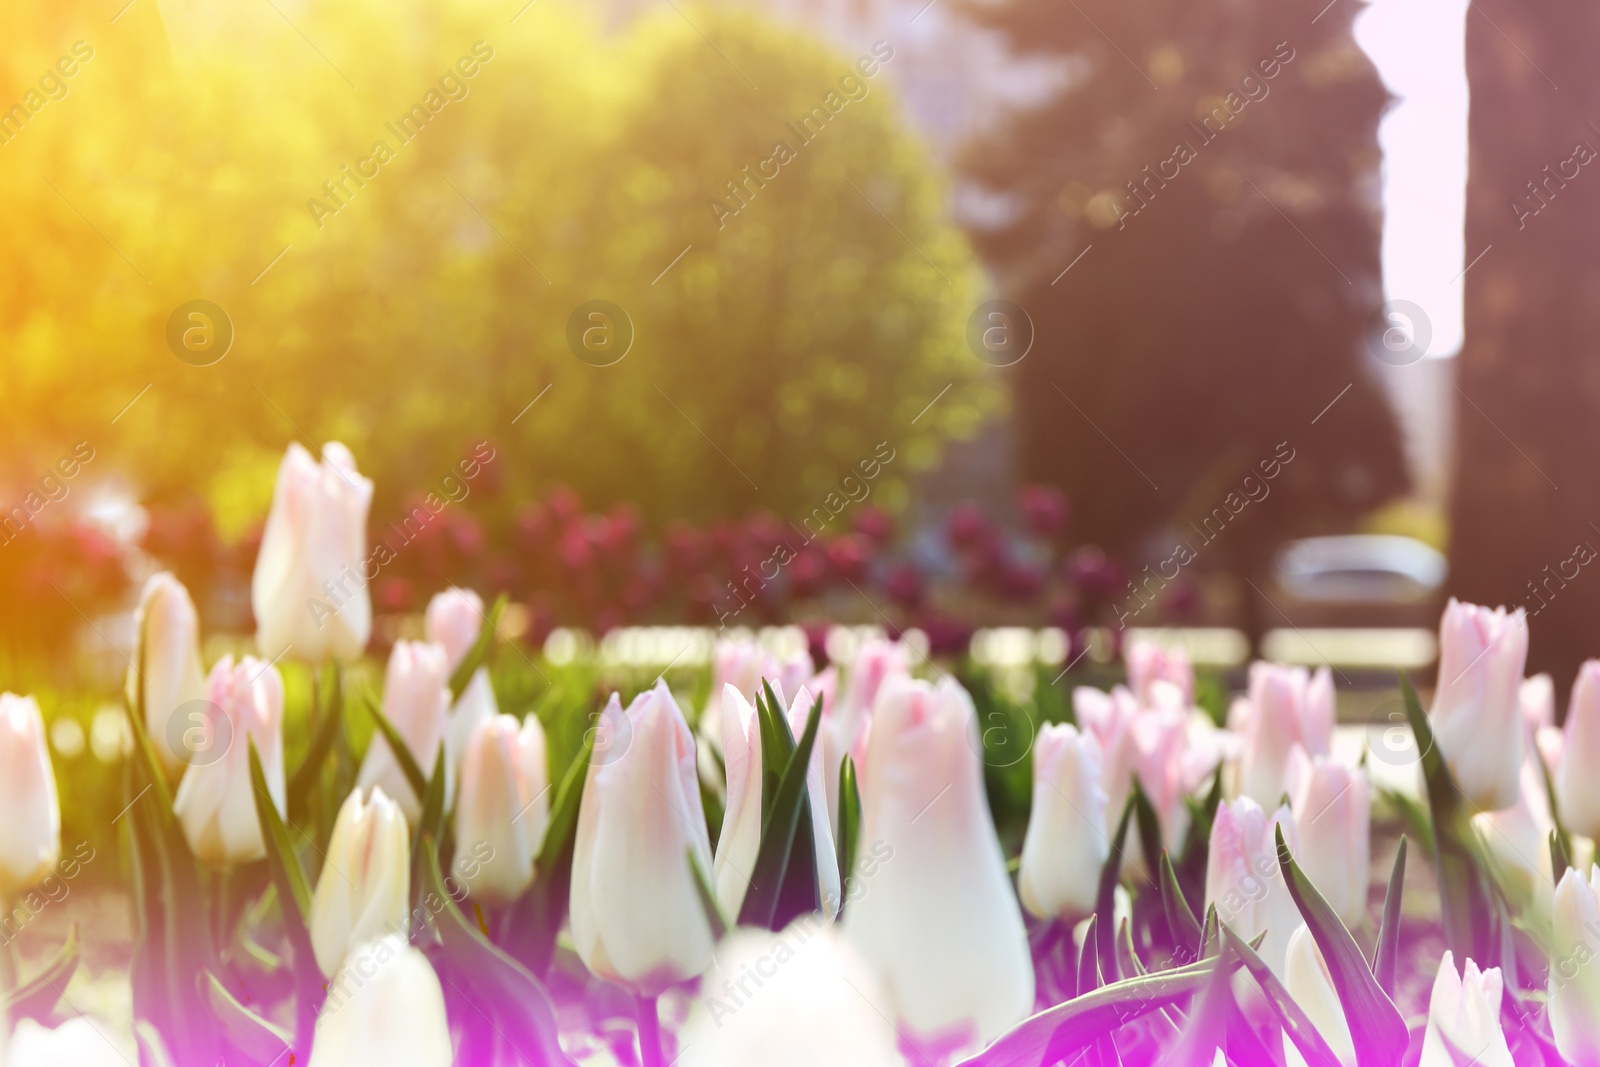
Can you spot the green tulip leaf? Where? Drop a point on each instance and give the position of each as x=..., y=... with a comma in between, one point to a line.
x=1376, y=1026
x=1313, y=1048
x=516, y=1001
x=1110, y=875
x=37, y=997
x=1464, y=890
x=1184, y=927
x=305, y=775
x=478, y=654
x=430, y=824
x=1386, y=954
x=246, y=1031
x=765, y=902
x=409, y=767
x=1069, y=1027
x=708, y=897
x=848, y=839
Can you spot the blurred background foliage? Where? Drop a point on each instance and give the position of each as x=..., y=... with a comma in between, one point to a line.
x=431, y=308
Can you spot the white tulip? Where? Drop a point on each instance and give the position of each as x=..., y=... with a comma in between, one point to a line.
x=309, y=591
x=504, y=803
x=216, y=802
x=1577, y=793
x=799, y=998
x=1066, y=843
x=740, y=839
x=1464, y=1018
x=637, y=917
x=847, y=720
x=1574, y=992
x=364, y=889
x=1332, y=813
x=169, y=632
x=30, y=832
x=1476, y=714
x=1310, y=983
x=1244, y=881
x=1286, y=707
x=939, y=924
x=1149, y=662
x=79, y=1042
x=416, y=700
x=385, y=1006
x=453, y=620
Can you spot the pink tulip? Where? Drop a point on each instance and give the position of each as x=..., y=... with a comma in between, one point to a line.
x=503, y=804
x=1574, y=985
x=637, y=918
x=939, y=924
x=416, y=700
x=216, y=802
x=1286, y=707
x=1243, y=879
x=1331, y=805
x=1067, y=840
x=309, y=591
x=453, y=620
x=741, y=822
x=169, y=635
x=1476, y=715
x=1149, y=662
x=1577, y=791
x=1464, y=1018
x=848, y=718
x=30, y=833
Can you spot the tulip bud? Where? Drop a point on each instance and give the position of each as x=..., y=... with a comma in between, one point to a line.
x=1150, y=745
x=216, y=802
x=1310, y=983
x=740, y=840
x=504, y=802
x=1331, y=805
x=637, y=919
x=1536, y=697
x=1476, y=714
x=1066, y=843
x=1149, y=663
x=416, y=700
x=453, y=620
x=1286, y=707
x=1516, y=842
x=30, y=830
x=1574, y=970
x=1243, y=879
x=1576, y=791
x=1464, y=1018
x=476, y=706
x=846, y=720
x=169, y=635
x=385, y=1005
x=309, y=592
x=744, y=664
x=364, y=888
x=797, y=997
x=80, y=1041
x=939, y=923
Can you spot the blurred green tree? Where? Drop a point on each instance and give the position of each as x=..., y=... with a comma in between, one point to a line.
x=415, y=299
x=1214, y=166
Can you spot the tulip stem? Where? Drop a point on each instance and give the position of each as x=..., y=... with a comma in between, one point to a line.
x=650, y=1053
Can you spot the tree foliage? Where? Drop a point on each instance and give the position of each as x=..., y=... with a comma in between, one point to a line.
x=423, y=304
x=1215, y=167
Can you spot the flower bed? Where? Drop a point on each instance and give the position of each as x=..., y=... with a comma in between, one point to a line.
x=893, y=860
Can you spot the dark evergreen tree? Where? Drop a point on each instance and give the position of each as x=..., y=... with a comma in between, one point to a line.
x=1210, y=174
x=1526, y=508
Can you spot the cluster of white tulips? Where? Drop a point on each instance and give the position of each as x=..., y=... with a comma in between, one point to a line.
x=1185, y=892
